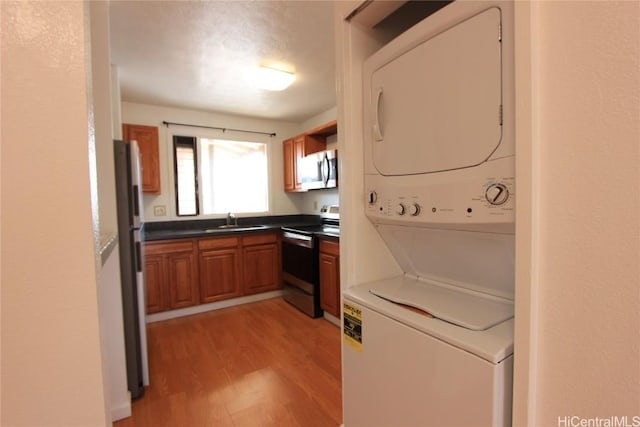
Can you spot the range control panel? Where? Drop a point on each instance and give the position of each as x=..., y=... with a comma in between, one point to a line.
x=489, y=199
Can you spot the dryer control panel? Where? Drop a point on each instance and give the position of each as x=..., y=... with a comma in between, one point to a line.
x=479, y=198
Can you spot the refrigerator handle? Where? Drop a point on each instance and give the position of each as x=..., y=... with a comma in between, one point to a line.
x=138, y=256
x=136, y=201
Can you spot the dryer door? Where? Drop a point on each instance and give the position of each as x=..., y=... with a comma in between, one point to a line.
x=438, y=107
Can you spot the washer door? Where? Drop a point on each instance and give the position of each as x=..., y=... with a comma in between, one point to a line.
x=437, y=107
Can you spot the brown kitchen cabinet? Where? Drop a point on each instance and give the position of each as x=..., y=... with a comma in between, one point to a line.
x=219, y=262
x=329, y=266
x=181, y=273
x=294, y=150
x=261, y=263
x=291, y=182
x=147, y=138
x=171, y=275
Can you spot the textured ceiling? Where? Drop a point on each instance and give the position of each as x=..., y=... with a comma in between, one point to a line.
x=197, y=55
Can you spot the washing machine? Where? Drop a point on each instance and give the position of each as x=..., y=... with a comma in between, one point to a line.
x=434, y=345
x=423, y=350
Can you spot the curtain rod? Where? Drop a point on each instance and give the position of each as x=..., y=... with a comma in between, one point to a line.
x=271, y=134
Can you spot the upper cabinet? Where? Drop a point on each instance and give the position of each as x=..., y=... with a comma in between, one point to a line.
x=323, y=131
x=291, y=181
x=147, y=138
x=294, y=149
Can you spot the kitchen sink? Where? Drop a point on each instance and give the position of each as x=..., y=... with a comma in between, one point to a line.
x=234, y=228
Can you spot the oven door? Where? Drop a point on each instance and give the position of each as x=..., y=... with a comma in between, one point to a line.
x=300, y=272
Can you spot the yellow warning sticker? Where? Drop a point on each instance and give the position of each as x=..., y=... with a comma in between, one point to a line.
x=352, y=325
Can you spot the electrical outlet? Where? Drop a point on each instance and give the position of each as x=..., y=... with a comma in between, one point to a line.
x=160, y=210
x=315, y=205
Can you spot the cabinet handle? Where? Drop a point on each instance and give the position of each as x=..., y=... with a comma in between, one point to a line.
x=378, y=133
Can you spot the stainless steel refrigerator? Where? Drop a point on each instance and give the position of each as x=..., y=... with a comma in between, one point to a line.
x=130, y=230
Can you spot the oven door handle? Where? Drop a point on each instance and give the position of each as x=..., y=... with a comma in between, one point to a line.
x=297, y=239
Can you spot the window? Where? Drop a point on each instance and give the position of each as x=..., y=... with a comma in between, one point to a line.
x=233, y=176
x=186, y=175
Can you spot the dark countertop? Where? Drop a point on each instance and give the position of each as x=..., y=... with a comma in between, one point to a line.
x=329, y=236
x=188, y=229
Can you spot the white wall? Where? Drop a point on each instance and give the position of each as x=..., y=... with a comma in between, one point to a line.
x=111, y=301
x=318, y=120
x=52, y=371
x=101, y=69
x=312, y=201
x=281, y=203
x=363, y=254
x=583, y=318
x=116, y=103
x=109, y=292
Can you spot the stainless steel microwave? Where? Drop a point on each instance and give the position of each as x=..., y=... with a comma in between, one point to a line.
x=319, y=170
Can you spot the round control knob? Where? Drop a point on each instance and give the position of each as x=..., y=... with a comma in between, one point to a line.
x=373, y=197
x=414, y=209
x=400, y=209
x=497, y=194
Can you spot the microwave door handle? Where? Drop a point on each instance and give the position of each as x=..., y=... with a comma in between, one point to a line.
x=326, y=169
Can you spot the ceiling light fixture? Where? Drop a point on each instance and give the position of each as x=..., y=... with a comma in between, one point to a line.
x=273, y=79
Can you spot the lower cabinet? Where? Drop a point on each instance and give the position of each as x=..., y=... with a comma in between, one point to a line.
x=261, y=263
x=219, y=261
x=182, y=273
x=329, y=266
x=171, y=275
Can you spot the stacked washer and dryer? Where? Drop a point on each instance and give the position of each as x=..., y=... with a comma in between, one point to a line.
x=434, y=346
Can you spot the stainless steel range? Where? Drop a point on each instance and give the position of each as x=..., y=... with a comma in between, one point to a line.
x=300, y=276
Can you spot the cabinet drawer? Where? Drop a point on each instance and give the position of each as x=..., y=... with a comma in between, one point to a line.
x=330, y=247
x=259, y=239
x=217, y=243
x=163, y=247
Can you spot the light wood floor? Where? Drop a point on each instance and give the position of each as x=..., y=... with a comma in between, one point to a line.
x=259, y=364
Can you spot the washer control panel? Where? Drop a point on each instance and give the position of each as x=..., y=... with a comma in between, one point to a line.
x=497, y=194
x=440, y=201
x=492, y=201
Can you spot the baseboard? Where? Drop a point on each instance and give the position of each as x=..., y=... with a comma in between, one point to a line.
x=332, y=319
x=118, y=412
x=203, y=308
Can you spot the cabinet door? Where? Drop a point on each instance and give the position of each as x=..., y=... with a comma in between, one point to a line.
x=298, y=154
x=293, y=151
x=182, y=277
x=156, y=300
x=289, y=165
x=147, y=138
x=219, y=275
x=330, y=277
x=261, y=270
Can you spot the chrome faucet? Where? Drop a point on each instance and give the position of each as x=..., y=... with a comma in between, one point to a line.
x=231, y=218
